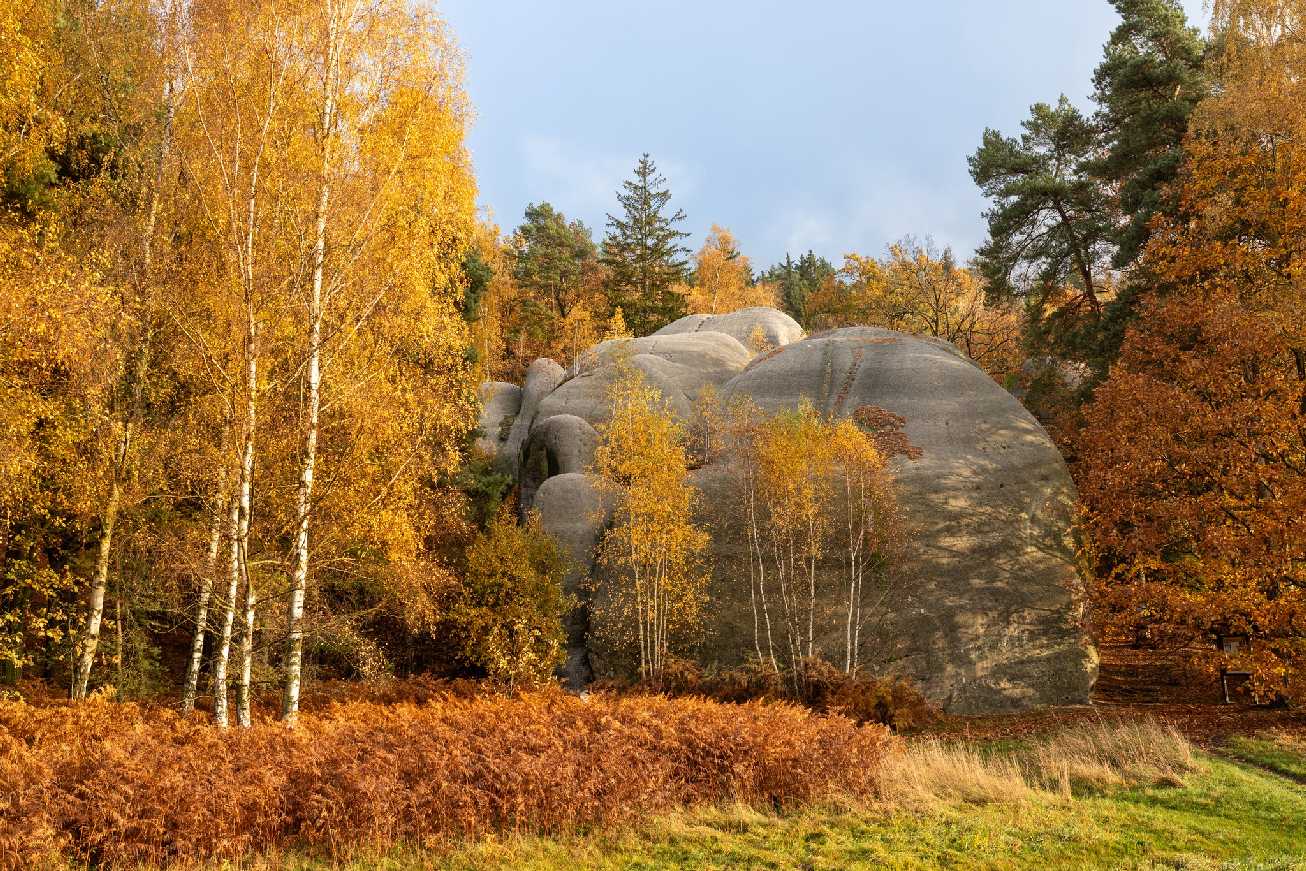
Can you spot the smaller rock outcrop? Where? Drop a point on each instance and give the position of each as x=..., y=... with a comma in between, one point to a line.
x=542, y=378
x=574, y=513
x=500, y=402
x=775, y=328
x=679, y=366
x=558, y=445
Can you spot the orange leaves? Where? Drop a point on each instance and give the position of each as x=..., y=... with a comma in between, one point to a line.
x=1193, y=453
x=119, y=785
x=1193, y=473
x=918, y=290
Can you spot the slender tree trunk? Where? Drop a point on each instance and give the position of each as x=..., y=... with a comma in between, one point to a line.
x=811, y=591
x=207, y=583
x=299, y=579
x=753, y=579
x=240, y=549
x=117, y=620
x=244, y=714
x=100, y=581
x=223, y=654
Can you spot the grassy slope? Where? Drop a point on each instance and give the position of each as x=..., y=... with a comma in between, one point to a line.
x=1228, y=812
x=1286, y=757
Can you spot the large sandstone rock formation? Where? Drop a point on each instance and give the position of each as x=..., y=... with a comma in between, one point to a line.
x=985, y=611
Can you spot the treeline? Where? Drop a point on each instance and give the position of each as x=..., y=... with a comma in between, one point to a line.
x=1156, y=246
x=549, y=290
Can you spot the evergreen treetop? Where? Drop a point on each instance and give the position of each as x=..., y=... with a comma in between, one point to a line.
x=643, y=252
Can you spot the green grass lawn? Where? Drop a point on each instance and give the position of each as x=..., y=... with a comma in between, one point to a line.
x=1277, y=754
x=1229, y=815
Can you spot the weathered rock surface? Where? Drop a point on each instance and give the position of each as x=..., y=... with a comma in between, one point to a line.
x=557, y=445
x=500, y=402
x=679, y=366
x=984, y=614
x=774, y=327
x=542, y=378
x=575, y=514
x=987, y=612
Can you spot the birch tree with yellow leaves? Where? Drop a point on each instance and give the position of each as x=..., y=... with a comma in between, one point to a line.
x=653, y=549
x=392, y=213
x=821, y=523
x=723, y=278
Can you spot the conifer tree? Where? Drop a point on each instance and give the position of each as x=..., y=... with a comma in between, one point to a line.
x=643, y=251
x=554, y=258
x=1149, y=82
x=798, y=280
x=1147, y=86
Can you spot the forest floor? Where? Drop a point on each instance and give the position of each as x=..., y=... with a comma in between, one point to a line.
x=1244, y=806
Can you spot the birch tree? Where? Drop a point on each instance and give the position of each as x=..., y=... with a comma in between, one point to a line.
x=821, y=523
x=236, y=137
x=137, y=311
x=654, y=547
x=208, y=580
x=390, y=216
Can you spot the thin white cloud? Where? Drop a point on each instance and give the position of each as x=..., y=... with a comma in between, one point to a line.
x=878, y=206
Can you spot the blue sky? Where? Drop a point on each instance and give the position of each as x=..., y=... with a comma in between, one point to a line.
x=834, y=125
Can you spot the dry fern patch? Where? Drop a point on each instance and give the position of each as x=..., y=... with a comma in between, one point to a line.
x=118, y=785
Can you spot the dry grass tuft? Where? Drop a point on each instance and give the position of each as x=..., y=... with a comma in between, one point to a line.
x=1106, y=754
x=931, y=771
x=117, y=785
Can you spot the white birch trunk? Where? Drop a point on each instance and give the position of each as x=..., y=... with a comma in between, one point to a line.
x=223, y=653
x=207, y=582
x=299, y=579
x=244, y=712
x=244, y=501
x=99, y=583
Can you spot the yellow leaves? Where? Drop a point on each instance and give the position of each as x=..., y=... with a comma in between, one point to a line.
x=724, y=278
x=916, y=290
x=511, y=607
x=27, y=52
x=654, y=546
x=616, y=327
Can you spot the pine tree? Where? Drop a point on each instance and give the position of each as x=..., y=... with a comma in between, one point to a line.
x=1147, y=86
x=643, y=252
x=1149, y=82
x=1050, y=227
x=554, y=259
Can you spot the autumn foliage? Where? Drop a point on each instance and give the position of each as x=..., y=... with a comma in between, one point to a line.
x=1193, y=454
x=119, y=785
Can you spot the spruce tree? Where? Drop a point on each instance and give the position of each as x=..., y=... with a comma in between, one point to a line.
x=643, y=253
